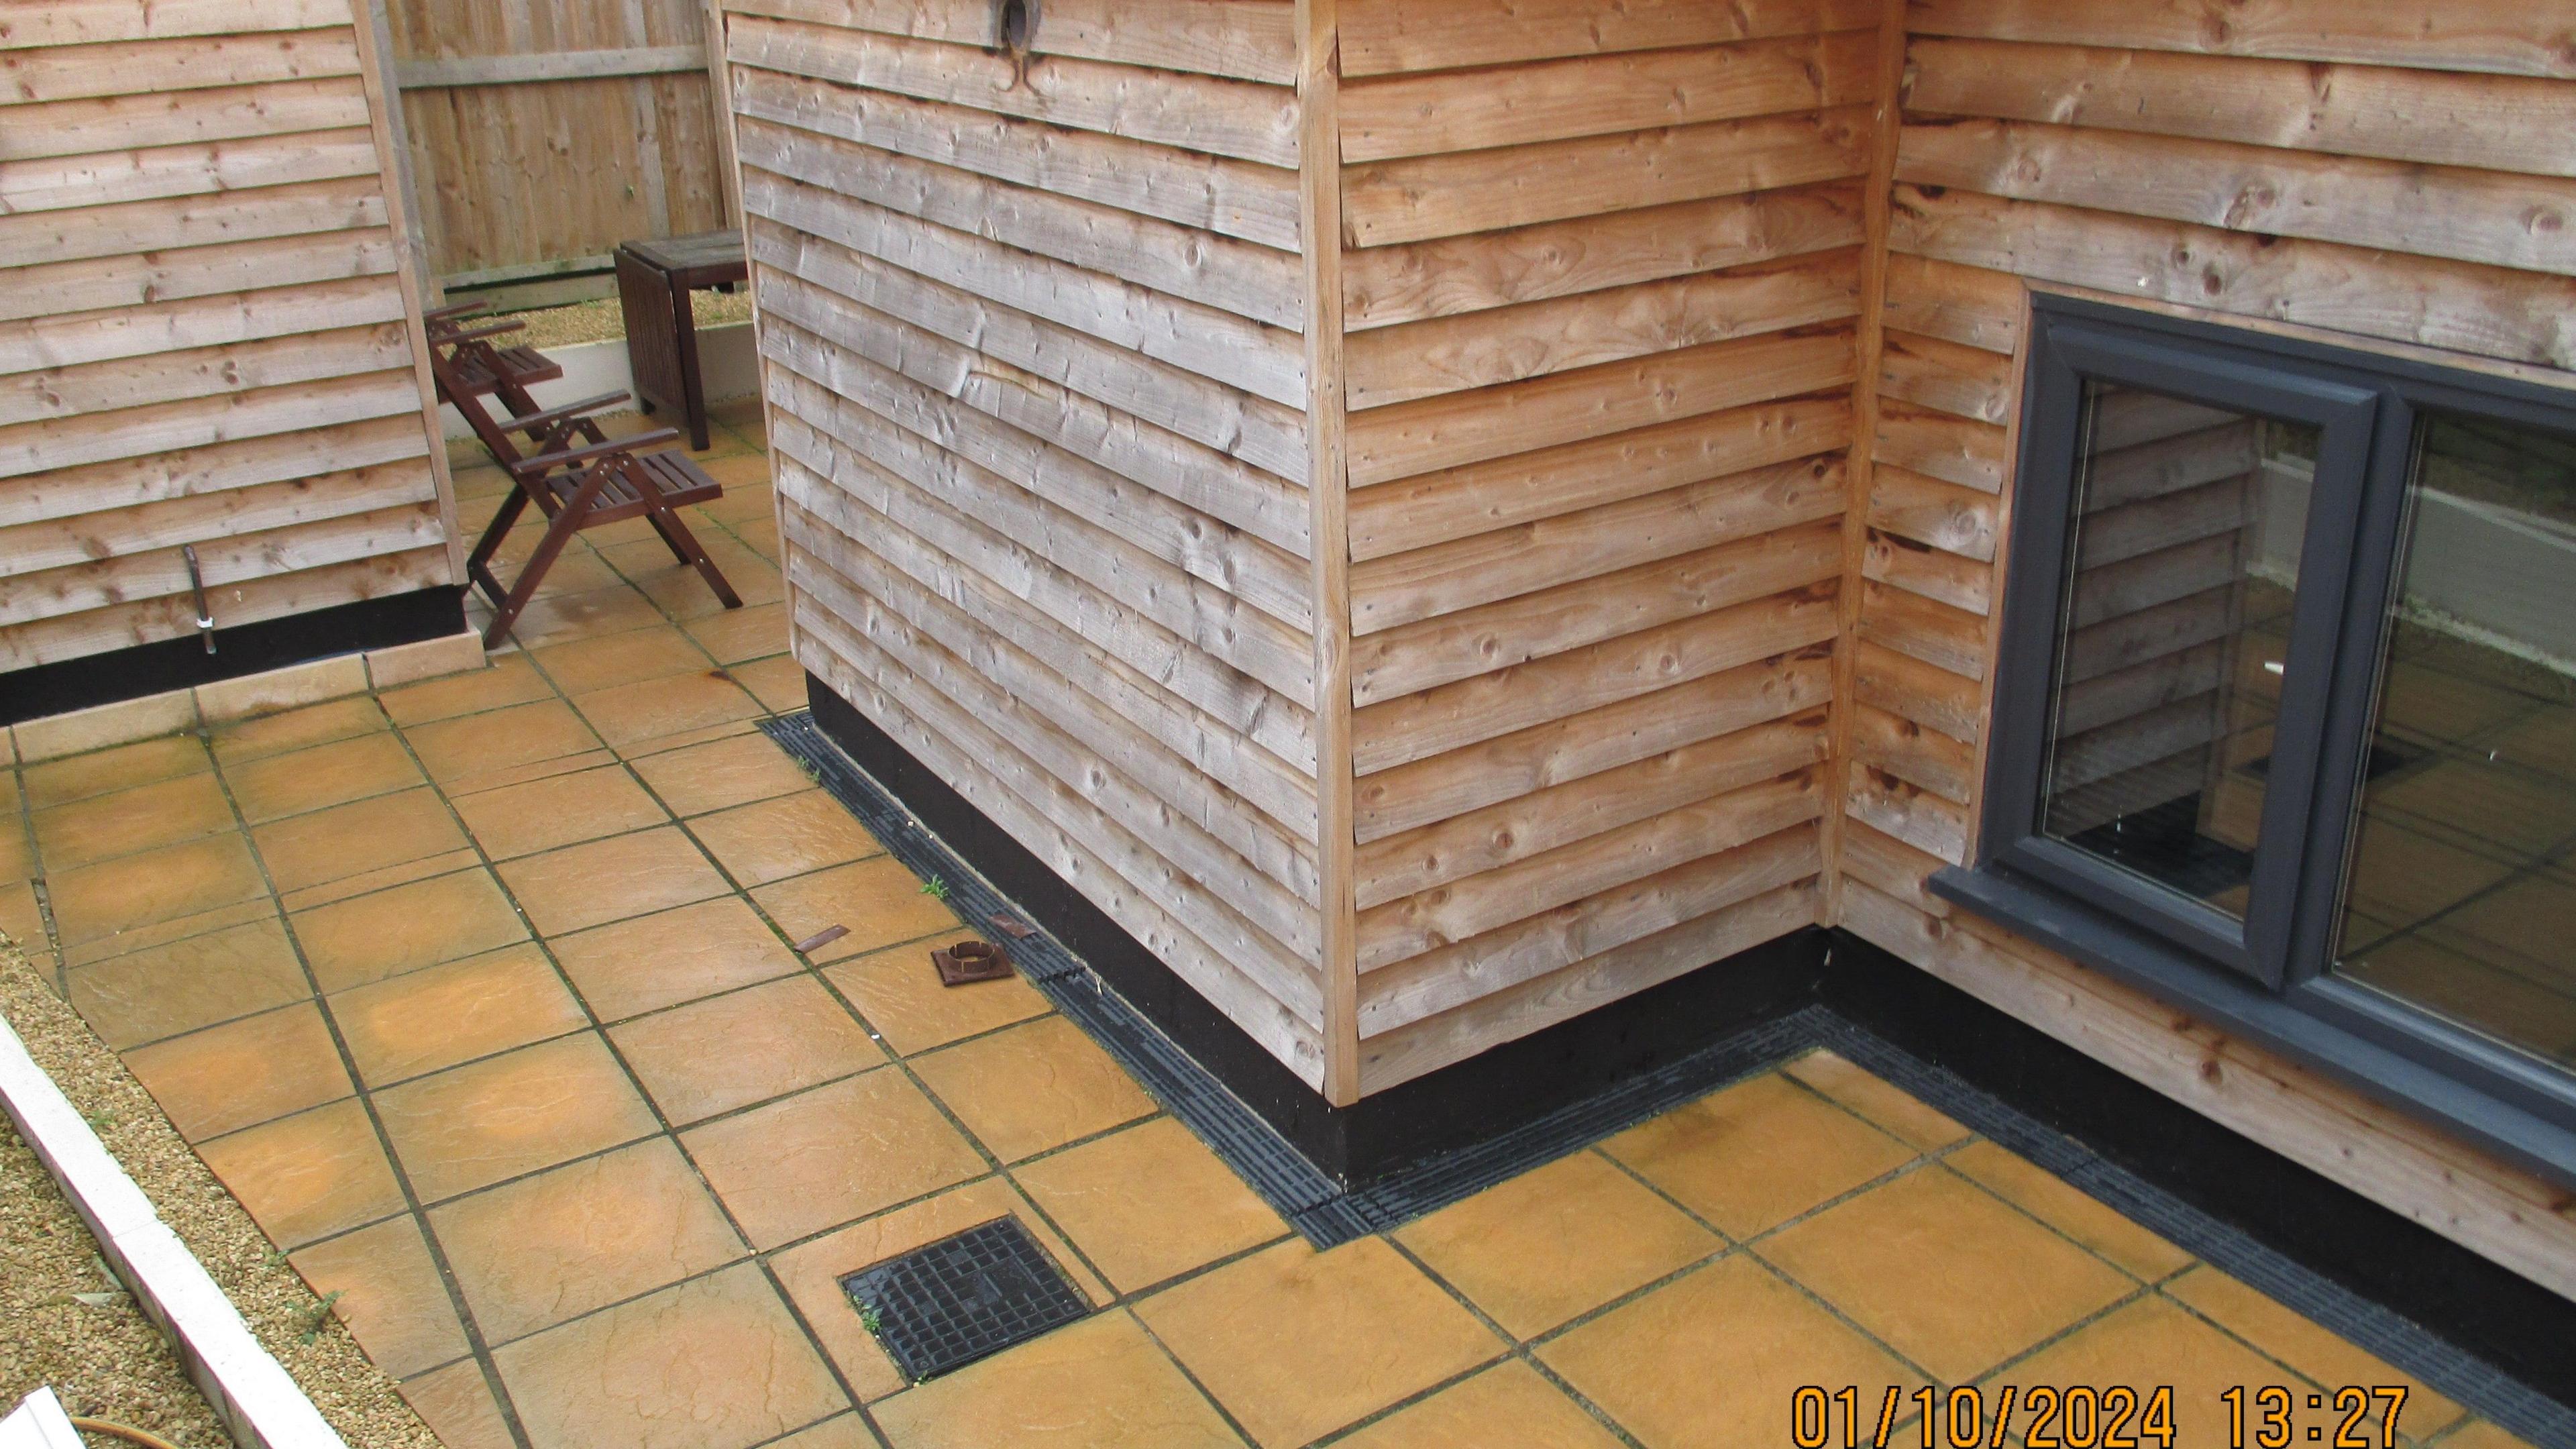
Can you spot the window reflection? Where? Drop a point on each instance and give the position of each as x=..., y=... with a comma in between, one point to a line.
x=2184, y=559
x=2462, y=892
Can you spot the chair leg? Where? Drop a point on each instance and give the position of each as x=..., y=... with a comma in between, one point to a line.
x=567, y=522
x=667, y=522
x=478, y=564
x=677, y=552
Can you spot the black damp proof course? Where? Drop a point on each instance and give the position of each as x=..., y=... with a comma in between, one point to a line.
x=252, y=648
x=1327, y=1212
x=939, y=1308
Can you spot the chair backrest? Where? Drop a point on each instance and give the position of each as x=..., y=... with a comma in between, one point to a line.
x=452, y=318
x=496, y=439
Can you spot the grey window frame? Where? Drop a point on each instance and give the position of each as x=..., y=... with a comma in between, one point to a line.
x=2270, y=979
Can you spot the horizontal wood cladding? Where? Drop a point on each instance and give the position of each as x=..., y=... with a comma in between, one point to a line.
x=149, y=65
x=203, y=340
x=1392, y=443
x=2487, y=122
x=1419, y=198
x=1220, y=345
x=1601, y=269
x=1514, y=1008
x=1045, y=816
x=1635, y=534
x=2537, y=39
x=1245, y=39
x=1031, y=346
x=1383, y=286
x=1210, y=115
x=1418, y=115
x=2508, y=1216
x=1534, y=339
x=93, y=22
x=1253, y=281
x=1209, y=193
x=2423, y=211
x=2395, y=174
x=1381, y=37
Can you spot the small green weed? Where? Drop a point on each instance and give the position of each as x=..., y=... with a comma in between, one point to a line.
x=317, y=1317
x=935, y=888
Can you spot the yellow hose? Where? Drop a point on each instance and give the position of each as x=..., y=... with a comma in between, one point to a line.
x=126, y=1432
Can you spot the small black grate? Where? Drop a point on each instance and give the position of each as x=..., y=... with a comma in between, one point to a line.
x=942, y=1307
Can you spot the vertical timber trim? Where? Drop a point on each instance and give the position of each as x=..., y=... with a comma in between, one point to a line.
x=2006, y=523
x=720, y=72
x=1869, y=341
x=411, y=263
x=720, y=93
x=380, y=66
x=1319, y=213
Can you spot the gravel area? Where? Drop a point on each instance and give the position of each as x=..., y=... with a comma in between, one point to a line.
x=601, y=320
x=107, y=1360
x=64, y=1322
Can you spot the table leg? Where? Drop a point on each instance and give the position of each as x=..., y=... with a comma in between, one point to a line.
x=693, y=392
x=643, y=296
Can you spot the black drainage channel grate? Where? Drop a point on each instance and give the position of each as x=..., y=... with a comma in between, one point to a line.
x=941, y=1307
x=1327, y=1213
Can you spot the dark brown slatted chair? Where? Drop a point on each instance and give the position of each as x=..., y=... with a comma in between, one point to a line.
x=578, y=478
x=483, y=367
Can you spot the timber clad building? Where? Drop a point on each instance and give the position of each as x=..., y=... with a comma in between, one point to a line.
x=214, y=395
x=1462, y=549
x=1449, y=522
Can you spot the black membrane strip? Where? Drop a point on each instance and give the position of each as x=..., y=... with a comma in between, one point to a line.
x=1284, y=1178
x=1327, y=1213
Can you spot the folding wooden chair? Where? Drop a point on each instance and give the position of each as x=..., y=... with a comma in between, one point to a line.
x=483, y=367
x=578, y=478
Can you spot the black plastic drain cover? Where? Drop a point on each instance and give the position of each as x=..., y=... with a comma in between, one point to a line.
x=942, y=1307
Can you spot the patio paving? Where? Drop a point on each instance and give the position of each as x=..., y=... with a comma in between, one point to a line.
x=480, y=994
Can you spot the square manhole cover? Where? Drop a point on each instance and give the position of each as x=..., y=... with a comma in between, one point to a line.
x=941, y=1307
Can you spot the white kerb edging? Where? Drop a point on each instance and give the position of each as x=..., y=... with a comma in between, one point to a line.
x=257, y=1400
x=39, y=1423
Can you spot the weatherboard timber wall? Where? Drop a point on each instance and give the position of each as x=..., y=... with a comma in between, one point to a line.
x=1054, y=366
x=1052, y=383
x=1031, y=330
x=204, y=326
x=1600, y=270
x=2392, y=176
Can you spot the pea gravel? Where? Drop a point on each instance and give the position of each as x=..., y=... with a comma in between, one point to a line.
x=107, y=1360
x=603, y=319
x=96, y=1350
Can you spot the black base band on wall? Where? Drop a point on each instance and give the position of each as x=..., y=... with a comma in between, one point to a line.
x=1464, y=1104
x=167, y=664
x=2159, y=1162
x=2459, y=1323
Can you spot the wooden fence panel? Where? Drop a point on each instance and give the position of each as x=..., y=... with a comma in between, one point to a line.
x=542, y=135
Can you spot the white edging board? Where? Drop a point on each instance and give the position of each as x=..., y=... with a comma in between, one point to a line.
x=39, y=1423
x=258, y=1402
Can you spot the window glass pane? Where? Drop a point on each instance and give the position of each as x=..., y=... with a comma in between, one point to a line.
x=2184, y=555
x=2462, y=893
